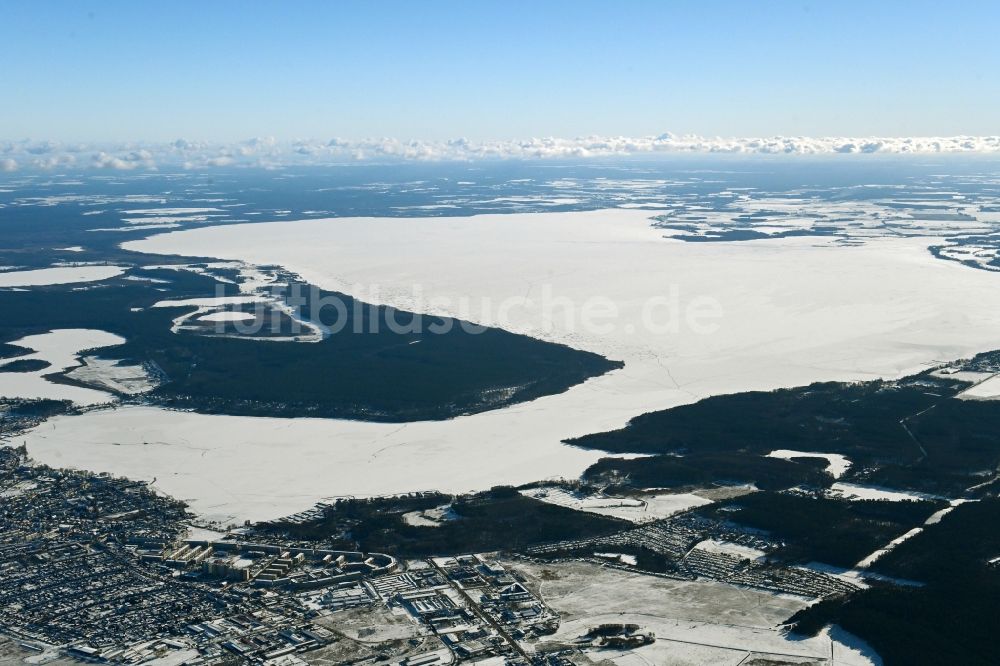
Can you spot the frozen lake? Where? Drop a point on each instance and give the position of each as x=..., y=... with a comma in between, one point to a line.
x=791, y=311
x=58, y=275
x=60, y=348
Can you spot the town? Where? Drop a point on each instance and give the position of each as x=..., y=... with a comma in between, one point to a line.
x=102, y=569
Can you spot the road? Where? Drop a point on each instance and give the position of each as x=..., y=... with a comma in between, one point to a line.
x=474, y=607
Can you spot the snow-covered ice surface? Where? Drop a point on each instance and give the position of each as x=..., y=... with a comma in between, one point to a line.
x=58, y=275
x=171, y=211
x=233, y=468
x=207, y=302
x=837, y=464
x=254, y=284
x=794, y=311
x=227, y=315
x=169, y=217
x=207, y=309
x=61, y=348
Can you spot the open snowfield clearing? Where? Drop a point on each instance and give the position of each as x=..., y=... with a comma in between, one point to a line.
x=728, y=548
x=793, y=311
x=58, y=275
x=430, y=517
x=837, y=464
x=61, y=349
x=695, y=622
x=637, y=509
x=107, y=373
x=858, y=492
x=962, y=375
x=988, y=389
x=368, y=632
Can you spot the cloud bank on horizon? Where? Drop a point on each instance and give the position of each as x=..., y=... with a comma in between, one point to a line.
x=271, y=153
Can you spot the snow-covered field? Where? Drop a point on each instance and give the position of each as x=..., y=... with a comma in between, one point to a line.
x=987, y=389
x=858, y=492
x=430, y=517
x=727, y=548
x=837, y=464
x=791, y=311
x=695, y=622
x=58, y=275
x=130, y=379
x=637, y=509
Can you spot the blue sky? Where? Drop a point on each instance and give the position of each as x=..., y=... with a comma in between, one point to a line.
x=223, y=71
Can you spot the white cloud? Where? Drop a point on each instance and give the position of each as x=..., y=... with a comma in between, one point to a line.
x=8, y=164
x=53, y=161
x=269, y=152
x=125, y=160
x=42, y=148
x=103, y=160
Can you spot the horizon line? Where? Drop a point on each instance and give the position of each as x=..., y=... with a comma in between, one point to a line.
x=268, y=152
